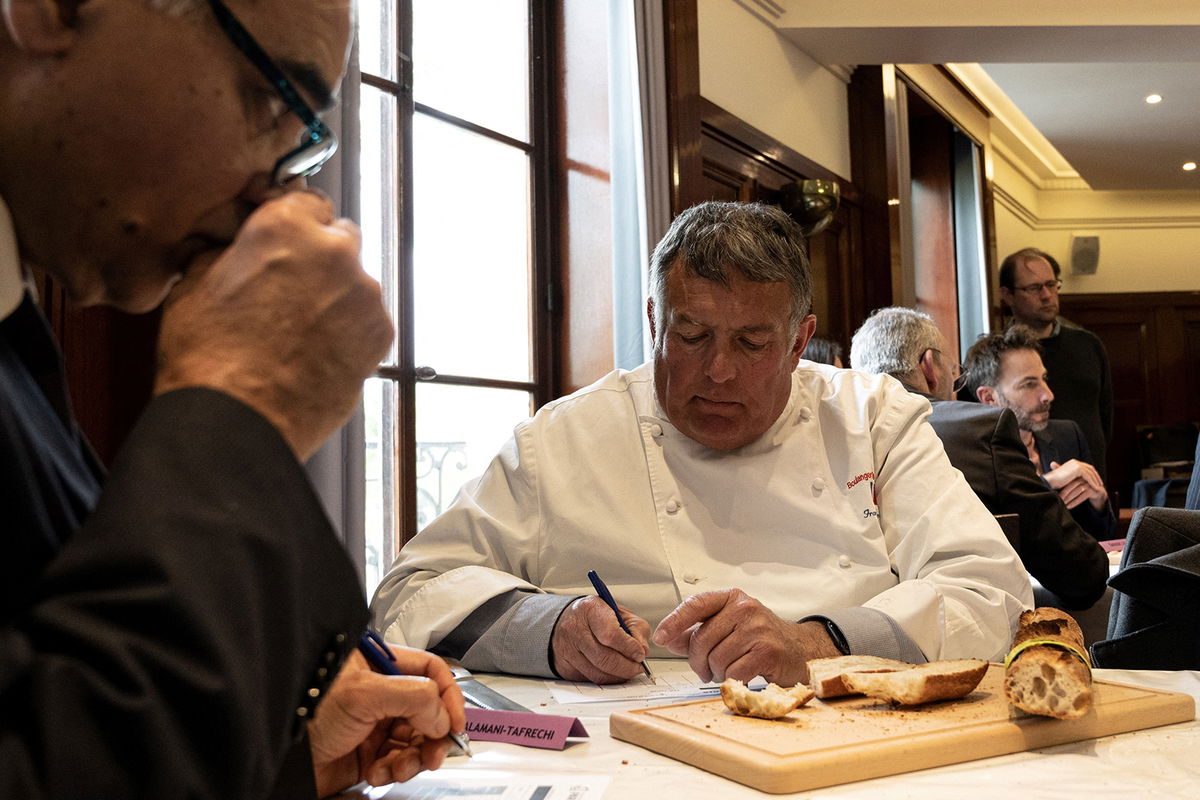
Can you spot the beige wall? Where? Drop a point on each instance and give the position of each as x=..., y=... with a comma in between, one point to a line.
x=758, y=76
x=1148, y=242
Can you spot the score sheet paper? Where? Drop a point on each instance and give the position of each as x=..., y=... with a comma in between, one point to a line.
x=494, y=785
x=673, y=680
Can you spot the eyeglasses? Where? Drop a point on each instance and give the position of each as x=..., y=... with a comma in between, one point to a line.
x=1034, y=289
x=319, y=143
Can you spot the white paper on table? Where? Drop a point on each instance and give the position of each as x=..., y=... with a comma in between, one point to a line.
x=672, y=680
x=478, y=784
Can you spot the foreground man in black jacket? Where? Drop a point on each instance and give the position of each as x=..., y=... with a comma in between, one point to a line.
x=169, y=629
x=984, y=444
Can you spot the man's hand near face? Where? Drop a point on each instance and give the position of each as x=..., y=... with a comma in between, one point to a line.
x=385, y=728
x=589, y=645
x=284, y=319
x=1075, y=482
x=729, y=634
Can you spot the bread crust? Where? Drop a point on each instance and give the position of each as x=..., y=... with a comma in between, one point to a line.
x=923, y=683
x=1046, y=679
x=772, y=702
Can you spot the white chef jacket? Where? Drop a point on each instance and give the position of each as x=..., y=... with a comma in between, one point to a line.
x=847, y=502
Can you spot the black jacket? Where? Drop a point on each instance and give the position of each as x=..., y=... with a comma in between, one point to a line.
x=1060, y=441
x=983, y=442
x=1156, y=596
x=162, y=644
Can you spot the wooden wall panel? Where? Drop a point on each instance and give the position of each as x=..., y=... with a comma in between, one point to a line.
x=1153, y=344
x=871, y=114
x=741, y=163
x=936, y=278
x=109, y=357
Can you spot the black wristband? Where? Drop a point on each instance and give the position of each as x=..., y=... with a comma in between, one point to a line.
x=835, y=633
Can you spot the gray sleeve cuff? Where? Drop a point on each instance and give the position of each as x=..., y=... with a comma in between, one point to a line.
x=872, y=633
x=509, y=633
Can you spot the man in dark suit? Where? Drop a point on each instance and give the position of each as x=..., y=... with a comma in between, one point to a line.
x=1060, y=444
x=169, y=628
x=1005, y=370
x=984, y=444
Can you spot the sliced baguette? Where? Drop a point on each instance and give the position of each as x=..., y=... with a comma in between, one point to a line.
x=924, y=683
x=772, y=702
x=825, y=674
x=1046, y=679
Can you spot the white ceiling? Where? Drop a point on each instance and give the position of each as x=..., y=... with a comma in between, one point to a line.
x=1083, y=86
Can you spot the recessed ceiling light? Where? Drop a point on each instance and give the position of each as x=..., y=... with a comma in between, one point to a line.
x=1189, y=166
x=1152, y=99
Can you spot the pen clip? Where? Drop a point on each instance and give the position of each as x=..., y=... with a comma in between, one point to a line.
x=375, y=649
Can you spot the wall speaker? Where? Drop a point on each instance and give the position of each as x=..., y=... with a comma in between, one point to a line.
x=1085, y=254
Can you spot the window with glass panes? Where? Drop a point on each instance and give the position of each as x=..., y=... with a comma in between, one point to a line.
x=454, y=193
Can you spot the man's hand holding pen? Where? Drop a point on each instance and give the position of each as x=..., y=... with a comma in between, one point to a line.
x=589, y=645
x=385, y=728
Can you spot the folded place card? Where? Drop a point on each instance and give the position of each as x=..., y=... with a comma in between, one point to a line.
x=516, y=727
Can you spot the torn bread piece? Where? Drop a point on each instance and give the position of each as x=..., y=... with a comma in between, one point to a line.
x=772, y=702
x=825, y=674
x=1047, y=671
x=923, y=683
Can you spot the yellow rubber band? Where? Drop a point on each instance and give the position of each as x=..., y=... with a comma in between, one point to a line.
x=1023, y=646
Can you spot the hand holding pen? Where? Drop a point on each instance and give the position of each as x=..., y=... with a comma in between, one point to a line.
x=589, y=644
x=606, y=596
x=382, y=659
x=386, y=724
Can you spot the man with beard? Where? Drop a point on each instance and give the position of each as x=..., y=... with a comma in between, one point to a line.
x=1076, y=360
x=984, y=443
x=1006, y=370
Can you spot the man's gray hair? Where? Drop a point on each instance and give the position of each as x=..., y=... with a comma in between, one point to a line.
x=712, y=240
x=981, y=366
x=892, y=341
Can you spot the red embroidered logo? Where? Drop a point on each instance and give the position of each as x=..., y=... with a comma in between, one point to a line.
x=850, y=484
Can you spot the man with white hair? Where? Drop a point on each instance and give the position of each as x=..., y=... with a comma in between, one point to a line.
x=984, y=443
x=170, y=627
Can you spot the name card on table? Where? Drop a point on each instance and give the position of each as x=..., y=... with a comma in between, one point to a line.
x=517, y=727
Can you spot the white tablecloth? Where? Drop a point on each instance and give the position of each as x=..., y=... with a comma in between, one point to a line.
x=1161, y=763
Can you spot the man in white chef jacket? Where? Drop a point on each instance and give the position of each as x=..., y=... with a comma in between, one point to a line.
x=752, y=510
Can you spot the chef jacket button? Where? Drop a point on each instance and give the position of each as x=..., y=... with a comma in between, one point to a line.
x=691, y=579
x=805, y=414
x=818, y=484
x=672, y=506
x=656, y=430
x=844, y=561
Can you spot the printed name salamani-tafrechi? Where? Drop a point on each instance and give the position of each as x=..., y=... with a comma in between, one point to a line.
x=500, y=729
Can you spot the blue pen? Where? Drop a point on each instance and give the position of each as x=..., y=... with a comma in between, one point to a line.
x=379, y=656
x=607, y=597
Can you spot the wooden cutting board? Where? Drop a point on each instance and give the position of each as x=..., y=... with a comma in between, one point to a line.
x=854, y=738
